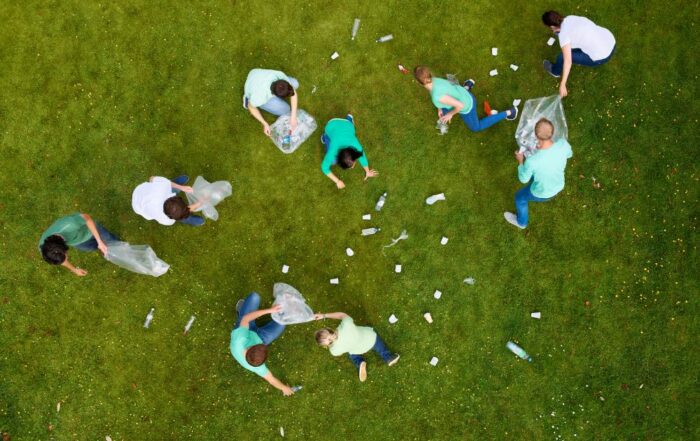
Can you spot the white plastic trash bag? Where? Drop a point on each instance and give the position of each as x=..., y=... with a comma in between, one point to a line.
x=140, y=259
x=547, y=107
x=294, y=307
x=286, y=141
x=209, y=194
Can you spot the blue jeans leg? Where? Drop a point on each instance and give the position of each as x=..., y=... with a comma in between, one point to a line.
x=193, y=220
x=277, y=106
x=578, y=57
x=181, y=180
x=522, y=197
x=381, y=349
x=250, y=304
x=270, y=331
x=475, y=124
x=356, y=359
x=91, y=244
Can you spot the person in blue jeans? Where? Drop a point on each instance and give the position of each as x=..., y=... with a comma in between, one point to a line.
x=267, y=89
x=451, y=99
x=543, y=172
x=159, y=200
x=353, y=340
x=249, y=341
x=343, y=148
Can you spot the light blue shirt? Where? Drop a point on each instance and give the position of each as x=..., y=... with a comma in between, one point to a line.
x=546, y=169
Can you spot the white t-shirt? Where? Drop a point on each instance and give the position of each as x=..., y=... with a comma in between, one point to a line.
x=581, y=33
x=148, y=198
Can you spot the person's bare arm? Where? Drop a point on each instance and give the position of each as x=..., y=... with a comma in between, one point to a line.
x=69, y=266
x=566, y=52
x=338, y=183
x=251, y=316
x=294, y=100
x=331, y=315
x=257, y=115
x=96, y=234
x=286, y=390
x=456, y=105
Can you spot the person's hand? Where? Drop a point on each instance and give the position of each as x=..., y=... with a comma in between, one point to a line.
x=275, y=308
x=266, y=129
x=519, y=156
x=80, y=272
x=186, y=189
x=101, y=245
x=287, y=391
x=563, y=92
x=293, y=123
x=439, y=113
x=318, y=316
x=340, y=184
x=446, y=118
x=371, y=173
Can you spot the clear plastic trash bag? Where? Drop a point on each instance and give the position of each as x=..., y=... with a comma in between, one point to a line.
x=549, y=107
x=140, y=259
x=280, y=131
x=294, y=307
x=209, y=194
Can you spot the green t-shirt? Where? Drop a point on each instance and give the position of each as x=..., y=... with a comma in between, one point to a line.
x=546, y=169
x=442, y=87
x=342, y=134
x=241, y=339
x=257, y=85
x=71, y=228
x=353, y=339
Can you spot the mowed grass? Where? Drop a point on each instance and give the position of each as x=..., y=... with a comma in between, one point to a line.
x=97, y=97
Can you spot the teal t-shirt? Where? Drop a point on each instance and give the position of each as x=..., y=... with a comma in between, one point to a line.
x=342, y=134
x=442, y=87
x=241, y=339
x=71, y=228
x=353, y=339
x=257, y=85
x=546, y=169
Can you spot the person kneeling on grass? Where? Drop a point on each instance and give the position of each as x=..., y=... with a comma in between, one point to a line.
x=157, y=199
x=452, y=99
x=249, y=342
x=77, y=230
x=266, y=89
x=543, y=172
x=343, y=148
x=353, y=340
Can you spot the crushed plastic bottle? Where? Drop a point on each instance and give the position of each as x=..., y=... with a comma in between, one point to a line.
x=149, y=318
x=380, y=202
x=355, y=28
x=189, y=325
x=517, y=350
x=370, y=231
x=442, y=126
x=385, y=38
x=296, y=389
x=469, y=281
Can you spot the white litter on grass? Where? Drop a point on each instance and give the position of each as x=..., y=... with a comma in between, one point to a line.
x=434, y=198
x=402, y=236
x=313, y=89
x=437, y=294
x=494, y=51
x=397, y=268
x=494, y=72
x=285, y=269
x=349, y=252
x=428, y=317
x=282, y=431
x=517, y=101
x=335, y=281
x=393, y=319
x=469, y=281
x=366, y=217
x=536, y=315
x=550, y=41
x=188, y=326
x=443, y=240
x=334, y=55
x=58, y=406
x=434, y=361
x=514, y=67
x=108, y=438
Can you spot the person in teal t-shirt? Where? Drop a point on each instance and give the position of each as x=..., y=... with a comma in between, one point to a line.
x=543, y=172
x=249, y=342
x=77, y=230
x=452, y=99
x=353, y=340
x=343, y=148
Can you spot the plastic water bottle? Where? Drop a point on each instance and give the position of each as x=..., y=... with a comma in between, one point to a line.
x=380, y=202
x=517, y=350
x=370, y=231
x=355, y=28
x=442, y=126
x=149, y=318
x=296, y=389
x=287, y=141
x=189, y=325
x=469, y=281
x=385, y=38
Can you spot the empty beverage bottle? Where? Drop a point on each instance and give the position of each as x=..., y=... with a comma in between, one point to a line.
x=380, y=202
x=296, y=389
x=287, y=141
x=385, y=38
x=469, y=281
x=149, y=318
x=189, y=325
x=370, y=231
x=355, y=28
x=442, y=126
x=517, y=350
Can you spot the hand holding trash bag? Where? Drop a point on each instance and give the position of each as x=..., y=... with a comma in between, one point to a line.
x=292, y=306
x=535, y=109
x=205, y=196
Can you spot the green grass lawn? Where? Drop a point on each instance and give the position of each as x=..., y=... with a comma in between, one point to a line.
x=98, y=96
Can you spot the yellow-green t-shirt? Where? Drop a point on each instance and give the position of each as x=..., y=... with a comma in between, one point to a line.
x=353, y=339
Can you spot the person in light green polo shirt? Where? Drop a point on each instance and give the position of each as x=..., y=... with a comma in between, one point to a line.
x=343, y=148
x=353, y=340
x=543, y=172
x=267, y=89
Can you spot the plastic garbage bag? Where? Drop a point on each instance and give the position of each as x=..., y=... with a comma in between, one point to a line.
x=209, y=194
x=280, y=131
x=140, y=259
x=294, y=307
x=549, y=107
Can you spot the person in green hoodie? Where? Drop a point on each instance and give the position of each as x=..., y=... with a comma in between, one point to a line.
x=343, y=149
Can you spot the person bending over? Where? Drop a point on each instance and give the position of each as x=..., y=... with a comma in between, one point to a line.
x=267, y=90
x=343, y=149
x=157, y=200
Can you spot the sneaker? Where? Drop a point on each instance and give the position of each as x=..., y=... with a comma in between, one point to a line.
x=245, y=102
x=469, y=84
x=513, y=114
x=363, y=371
x=239, y=304
x=512, y=219
x=548, y=68
x=350, y=118
x=394, y=360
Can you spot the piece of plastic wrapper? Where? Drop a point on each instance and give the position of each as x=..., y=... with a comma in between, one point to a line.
x=294, y=307
x=209, y=194
x=140, y=259
x=549, y=107
x=281, y=132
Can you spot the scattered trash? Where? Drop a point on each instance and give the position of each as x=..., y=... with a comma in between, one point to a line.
x=601, y=398
x=370, y=231
x=550, y=41
x=281, y=129
x=108, y=438
x=469, y=281
x=403, y=70
x=517, y=101
x=385, y=38
x=434, y=361
x=494, y=72
x=428, y=318
x=58, y=407
x=285, y=269
x=641, y=385
x=596, y=184
x=517, y=350
x=149, y=318
x=437, y=294
x=442, y=126
x=380, y=202
x=355, y=28
x=536, y=314
x=334, y=55
x=434, y=198
x=335, y=281
x=282, y=431
x=366, y=216
x=293, y=306
x=494, y=51
x=514, y=67
x=587, y=303
x=313, y=89
x=443, y=240
x=188, y=326
x=402, y=236
x=397, y=268
x=349, y=252
x=393, y=319
x=296, y=389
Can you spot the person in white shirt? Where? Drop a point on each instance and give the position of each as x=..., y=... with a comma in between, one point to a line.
x=582, y=42
x=157, y=200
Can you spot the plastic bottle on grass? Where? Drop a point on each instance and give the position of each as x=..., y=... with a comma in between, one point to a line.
x=370, y=231
x=517, y=350
x=296, y=389
x=149, y=318
x=380, y=202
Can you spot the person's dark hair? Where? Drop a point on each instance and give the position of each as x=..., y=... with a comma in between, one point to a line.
x=347, y=157
x=176, y=208
x=256, y=355
x=552, y=18
x=54, y=249
x=282, y=89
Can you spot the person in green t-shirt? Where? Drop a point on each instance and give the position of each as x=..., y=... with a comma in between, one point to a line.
x=543, y=172
x=77, y=230
x=343, y=148
x=452, y=99
x=249, y=342
x=267, y=89
x=353, y=340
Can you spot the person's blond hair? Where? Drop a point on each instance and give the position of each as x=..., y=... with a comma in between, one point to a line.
x=544, y=129
x=423, y=75
x=325, y=336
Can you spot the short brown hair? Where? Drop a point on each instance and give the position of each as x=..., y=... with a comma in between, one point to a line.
x=256, y=355
x=552, y=18
x=423, y=75
x=324, y=337
x=544, y=129
x=176, y=208
x=282, y=89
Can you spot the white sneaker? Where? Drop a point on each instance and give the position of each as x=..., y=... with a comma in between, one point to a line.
x=363, y=371
x=512, y=219
x=394, y=360
x=434, y=198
